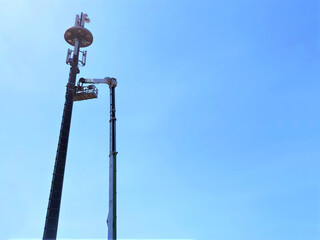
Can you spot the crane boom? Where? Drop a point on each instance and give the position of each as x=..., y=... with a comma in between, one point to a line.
x=112, y=82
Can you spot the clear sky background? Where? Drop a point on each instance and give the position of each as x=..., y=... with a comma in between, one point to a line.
x=218, y=119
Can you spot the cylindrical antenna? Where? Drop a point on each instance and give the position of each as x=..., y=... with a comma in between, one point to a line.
x=77, y=20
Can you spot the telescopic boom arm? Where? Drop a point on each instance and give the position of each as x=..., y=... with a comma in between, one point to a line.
x=112, y=215
x=112, y=82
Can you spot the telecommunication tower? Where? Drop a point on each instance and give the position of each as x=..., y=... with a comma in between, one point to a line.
x=79, y=37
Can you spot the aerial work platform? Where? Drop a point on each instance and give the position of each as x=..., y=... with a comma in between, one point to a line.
x=85, y=93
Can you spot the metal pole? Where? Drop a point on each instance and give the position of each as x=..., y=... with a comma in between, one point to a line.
x=51, y=225
x=76, y=36
x=112, y=216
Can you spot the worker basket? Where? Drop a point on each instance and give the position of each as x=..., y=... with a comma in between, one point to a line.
x=85, y=93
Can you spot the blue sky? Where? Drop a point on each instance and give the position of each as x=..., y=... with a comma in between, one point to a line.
x=218, y=119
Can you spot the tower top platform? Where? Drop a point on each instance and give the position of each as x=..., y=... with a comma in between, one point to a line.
x=83, y=35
